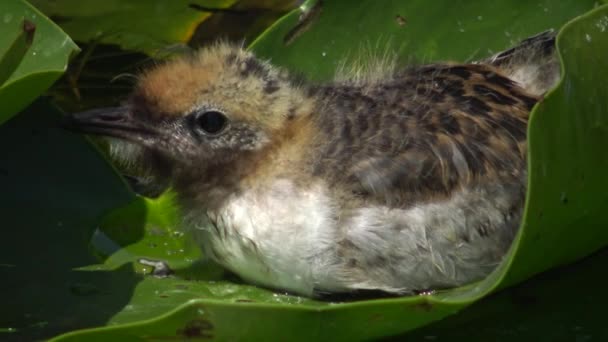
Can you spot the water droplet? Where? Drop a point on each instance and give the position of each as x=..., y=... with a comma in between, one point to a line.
x=602, y=24
x=34, y=53
x=460, y=28
x=323, y=53
x=587, y=37
x=479, y=17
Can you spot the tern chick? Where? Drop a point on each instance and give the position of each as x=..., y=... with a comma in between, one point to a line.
x=411, y=181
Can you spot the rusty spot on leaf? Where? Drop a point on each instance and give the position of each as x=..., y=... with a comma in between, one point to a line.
x=197, y=328
x=243, y=300
x=29, y=28
x=400, y=20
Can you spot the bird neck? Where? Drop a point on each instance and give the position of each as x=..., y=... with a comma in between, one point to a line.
x=286, y=156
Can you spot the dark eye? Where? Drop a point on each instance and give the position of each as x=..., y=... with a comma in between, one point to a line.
x=212, y=121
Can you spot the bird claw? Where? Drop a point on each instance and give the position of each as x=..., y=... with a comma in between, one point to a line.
x=160, y=269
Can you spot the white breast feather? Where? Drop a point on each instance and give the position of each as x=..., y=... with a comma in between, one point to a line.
x=286, y=237
x=288, y=228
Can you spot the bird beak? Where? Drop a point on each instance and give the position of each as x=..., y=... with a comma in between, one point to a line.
x=114, y=122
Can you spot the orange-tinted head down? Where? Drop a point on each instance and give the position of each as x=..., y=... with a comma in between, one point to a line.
x=223, y=77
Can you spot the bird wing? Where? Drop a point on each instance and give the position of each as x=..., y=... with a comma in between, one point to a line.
x=424, y=132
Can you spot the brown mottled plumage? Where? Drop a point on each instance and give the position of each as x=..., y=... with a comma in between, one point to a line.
x=443, y=126
x=410, y=181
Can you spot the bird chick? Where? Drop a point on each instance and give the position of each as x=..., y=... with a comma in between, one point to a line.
x=411, y=181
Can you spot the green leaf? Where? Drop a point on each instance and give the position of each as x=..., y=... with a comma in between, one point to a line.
x=118, y=295
x=27, y=68
x=419, y=31
x=142, y=25
x=567, y=134
x=16, y=51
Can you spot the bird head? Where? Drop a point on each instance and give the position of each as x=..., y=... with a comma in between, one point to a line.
x=215, y=106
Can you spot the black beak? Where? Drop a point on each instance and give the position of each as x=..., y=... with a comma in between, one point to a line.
x=114, y=122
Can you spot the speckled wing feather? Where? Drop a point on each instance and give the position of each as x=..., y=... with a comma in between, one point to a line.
x=424, y=132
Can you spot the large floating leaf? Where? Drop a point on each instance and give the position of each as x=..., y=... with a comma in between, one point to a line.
x=419, y=30
x=33, y=54
x=143, y=25
x=200, y=302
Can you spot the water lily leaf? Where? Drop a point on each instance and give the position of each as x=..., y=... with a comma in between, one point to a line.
x=141, y=25
x=567, y=183
x=330, y=33
x=15, y=51
x=33, y=54
x=117, y=292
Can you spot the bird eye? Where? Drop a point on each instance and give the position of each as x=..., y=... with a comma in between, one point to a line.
x=211, y=122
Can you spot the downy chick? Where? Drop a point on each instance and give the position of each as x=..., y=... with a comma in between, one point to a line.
x=411, y=181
